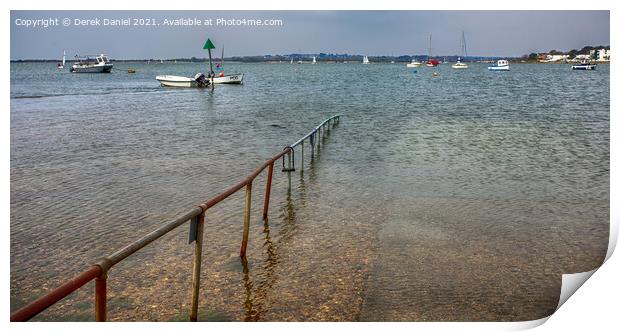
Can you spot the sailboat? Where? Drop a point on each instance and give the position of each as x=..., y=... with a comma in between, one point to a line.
x=227, y=79
x=431, y=62
x=365, y=60
x=313, y=60
x=414, y=63
x=62, y=65
x=459, y=64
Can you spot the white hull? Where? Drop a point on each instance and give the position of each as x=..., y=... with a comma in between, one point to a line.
x=229, y=79
x=502, y=65
x=459, y=65
x=414, y=65
x=107, y=68
x=584, y=67
x=177, y=81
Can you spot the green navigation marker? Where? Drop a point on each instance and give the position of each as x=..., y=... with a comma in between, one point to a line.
x=208, y=45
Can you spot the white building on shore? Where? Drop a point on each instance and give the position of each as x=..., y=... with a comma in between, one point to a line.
x=600, y=55
x=555, y=58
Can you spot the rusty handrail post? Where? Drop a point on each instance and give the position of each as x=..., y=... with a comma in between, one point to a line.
x=246, y=218
x=290, y=164
x=99, y=271
x=193, y=316
x=101, y=297
x=302, y=157
x=268, y=191
x=101, y=290
x=32, y=309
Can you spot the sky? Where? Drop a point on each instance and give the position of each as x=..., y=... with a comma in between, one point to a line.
x=487, y=33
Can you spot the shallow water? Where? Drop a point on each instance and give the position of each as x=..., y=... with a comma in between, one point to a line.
x=457, y=197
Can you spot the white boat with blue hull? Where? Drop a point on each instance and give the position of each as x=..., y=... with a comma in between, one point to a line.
x=502, y=65
x=584, y=65
x=101, y=64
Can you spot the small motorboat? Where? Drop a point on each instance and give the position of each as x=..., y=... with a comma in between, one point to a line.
x=584, y=65
x=199, y=81
x=229, y=79
x=414, y=64
x=502, y=65
x=131, y=71
x=101, y=64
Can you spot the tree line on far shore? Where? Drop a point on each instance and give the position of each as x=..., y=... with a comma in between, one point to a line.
x=571, y=54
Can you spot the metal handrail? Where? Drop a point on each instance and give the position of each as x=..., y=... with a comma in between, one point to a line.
x=99, y=271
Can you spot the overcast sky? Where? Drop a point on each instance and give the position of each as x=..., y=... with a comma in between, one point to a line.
x=488, y=33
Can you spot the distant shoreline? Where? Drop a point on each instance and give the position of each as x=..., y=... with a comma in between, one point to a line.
x=156, y=62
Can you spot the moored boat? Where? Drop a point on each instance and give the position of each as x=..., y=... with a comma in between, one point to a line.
x=584, y=65
x=501, y=65
x=101, y=64
x=199, y=81
x=229, y=79
x=430, y=62
x=62, y=65
x=221, y=78
x=459, y=64
x=414, y=63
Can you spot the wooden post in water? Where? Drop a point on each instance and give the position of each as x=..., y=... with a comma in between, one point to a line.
x=101, y=297
x=246, y=218
x=193, y=316
x=268, y=191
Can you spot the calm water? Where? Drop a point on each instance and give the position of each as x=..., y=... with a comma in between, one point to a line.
x=457, y=197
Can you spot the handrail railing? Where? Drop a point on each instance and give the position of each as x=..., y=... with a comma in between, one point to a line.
x=99, y=270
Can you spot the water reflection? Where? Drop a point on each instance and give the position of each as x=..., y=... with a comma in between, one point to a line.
x=255, y=296
x=258, y=284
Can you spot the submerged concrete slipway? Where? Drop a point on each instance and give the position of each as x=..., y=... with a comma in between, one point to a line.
x=458, y=197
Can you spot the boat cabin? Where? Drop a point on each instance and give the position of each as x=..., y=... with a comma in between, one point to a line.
x=102, y=58
x=501, y=63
